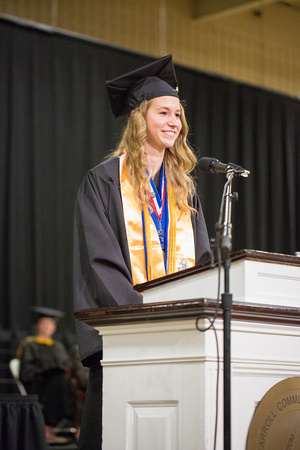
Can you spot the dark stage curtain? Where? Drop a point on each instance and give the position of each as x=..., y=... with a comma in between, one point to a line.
x=56, y=123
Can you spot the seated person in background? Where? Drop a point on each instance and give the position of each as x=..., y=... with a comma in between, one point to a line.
x=45, y=371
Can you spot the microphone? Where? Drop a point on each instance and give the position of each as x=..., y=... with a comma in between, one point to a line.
x=213, y=165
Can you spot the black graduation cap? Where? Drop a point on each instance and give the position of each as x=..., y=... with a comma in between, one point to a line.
x=43, y=311
x=153, y=80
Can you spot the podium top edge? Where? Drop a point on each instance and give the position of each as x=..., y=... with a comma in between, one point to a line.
x=245, y=254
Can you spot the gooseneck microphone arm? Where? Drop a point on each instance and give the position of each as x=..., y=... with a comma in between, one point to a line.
x=224, y=225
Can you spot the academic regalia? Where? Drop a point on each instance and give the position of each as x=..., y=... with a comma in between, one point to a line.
x=102, y=265
x=38, y=357
x=102, y=271
x=42, y=371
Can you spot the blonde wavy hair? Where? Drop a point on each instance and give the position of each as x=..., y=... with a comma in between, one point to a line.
x=179, y=160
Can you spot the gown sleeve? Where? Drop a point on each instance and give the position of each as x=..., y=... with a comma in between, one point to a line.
x=102, y=273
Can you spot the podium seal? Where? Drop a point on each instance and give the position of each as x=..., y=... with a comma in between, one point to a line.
x=276, y=422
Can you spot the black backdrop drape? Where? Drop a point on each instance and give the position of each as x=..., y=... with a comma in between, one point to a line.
x=56, y=123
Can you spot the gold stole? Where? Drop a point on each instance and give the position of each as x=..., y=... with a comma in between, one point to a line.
x=181, y=253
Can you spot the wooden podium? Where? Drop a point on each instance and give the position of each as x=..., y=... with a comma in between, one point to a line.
x=160, y=372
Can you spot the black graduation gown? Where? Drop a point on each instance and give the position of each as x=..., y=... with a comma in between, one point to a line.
x=102, y=271
x=42, y=370
x=38, y=359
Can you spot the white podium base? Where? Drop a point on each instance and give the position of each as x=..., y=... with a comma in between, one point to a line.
x=160, y=372
x=160, y=382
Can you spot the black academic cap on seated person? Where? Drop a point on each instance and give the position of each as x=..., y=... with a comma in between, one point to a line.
x=43, y=311
x=156, y=79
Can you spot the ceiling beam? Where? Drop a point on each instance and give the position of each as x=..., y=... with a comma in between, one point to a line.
x=212, y=9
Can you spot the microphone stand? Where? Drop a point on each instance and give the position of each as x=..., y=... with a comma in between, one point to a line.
x=224, y=234
x=224, y=243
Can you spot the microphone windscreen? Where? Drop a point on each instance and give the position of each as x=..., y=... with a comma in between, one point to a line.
x=205, y=164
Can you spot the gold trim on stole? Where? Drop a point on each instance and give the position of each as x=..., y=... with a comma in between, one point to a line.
x=181, y=254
